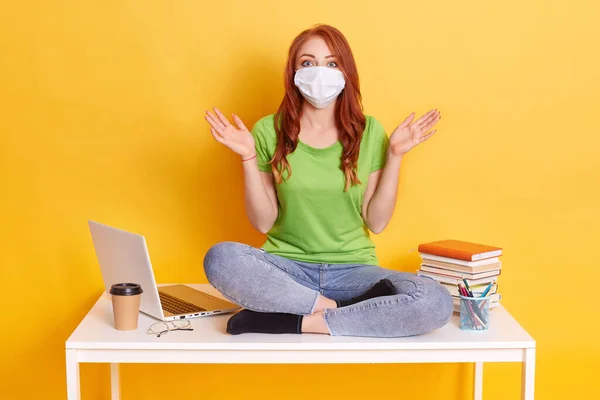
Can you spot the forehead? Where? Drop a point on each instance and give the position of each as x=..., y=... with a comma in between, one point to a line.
x=315, y=46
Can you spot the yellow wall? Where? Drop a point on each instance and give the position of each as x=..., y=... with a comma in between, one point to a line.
x=101, y=117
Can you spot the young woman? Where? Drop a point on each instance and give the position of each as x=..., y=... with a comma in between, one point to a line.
x=318, y=175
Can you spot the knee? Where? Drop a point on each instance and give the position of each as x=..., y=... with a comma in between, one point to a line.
x=218, y=258
x=440, y=307
x=431, y=307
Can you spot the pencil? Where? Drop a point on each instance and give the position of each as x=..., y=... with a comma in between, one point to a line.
x=474, y=307
x=475, y=321
x=467, y=287
x=487, y=289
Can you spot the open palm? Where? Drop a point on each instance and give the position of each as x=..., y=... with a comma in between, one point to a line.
x=409, y=134
x=238, y=139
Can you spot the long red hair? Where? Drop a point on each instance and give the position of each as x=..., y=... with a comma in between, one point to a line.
x=349, y=118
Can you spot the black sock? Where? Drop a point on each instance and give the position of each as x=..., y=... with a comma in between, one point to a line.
x=384, y=287
x=247, y=321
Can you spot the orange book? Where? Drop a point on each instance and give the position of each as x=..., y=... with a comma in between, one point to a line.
x=460, y=250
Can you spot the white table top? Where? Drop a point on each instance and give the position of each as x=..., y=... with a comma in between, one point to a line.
x=97, y=331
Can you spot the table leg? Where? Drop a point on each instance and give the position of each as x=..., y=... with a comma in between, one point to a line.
x=115, y=384
x=528, y=374
x=73, y=386
x=478, y=381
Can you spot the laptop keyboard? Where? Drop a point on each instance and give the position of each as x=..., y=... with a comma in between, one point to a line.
x=177, y=306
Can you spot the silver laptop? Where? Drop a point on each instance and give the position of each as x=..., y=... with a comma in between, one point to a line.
x=123, y=257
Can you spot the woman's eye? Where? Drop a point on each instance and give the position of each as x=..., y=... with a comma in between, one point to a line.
x=332, y=64
x=306, y=63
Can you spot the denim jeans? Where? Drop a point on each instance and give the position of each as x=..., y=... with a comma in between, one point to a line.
x=264, y=282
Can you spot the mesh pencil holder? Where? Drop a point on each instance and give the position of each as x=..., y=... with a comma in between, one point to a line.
x=474, y=313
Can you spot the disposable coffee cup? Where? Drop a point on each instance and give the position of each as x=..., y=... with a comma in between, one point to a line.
x=126, y=305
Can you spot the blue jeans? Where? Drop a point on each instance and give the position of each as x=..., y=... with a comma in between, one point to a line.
x=264, y=282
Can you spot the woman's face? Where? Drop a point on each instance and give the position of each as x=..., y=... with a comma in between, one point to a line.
x=315, y=52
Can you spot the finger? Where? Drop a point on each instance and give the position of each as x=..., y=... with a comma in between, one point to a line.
x=407, y=120
x=239, y=123
x=214, y=125
x=425, y=116
x=430, y=124
x=222, y=118
x=214, y=122
x=217, y=137
x=428, y=119
x=214, y=119
x=427, y=136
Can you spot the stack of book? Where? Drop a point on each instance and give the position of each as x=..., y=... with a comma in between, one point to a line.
x=451, y=261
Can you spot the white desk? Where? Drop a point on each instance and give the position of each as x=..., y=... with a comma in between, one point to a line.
x=95, y=340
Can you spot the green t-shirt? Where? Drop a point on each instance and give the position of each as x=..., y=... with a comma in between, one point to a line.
x=319, y=222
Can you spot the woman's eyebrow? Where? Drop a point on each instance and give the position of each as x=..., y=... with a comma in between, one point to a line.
x=310, y=55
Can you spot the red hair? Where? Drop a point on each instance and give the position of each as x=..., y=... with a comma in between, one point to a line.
x=349, y=118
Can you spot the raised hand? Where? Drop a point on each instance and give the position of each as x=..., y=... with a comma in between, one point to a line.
x=409, y=134
x=238, y=139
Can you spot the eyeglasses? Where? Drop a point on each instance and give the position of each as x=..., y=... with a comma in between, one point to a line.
x=161, y=328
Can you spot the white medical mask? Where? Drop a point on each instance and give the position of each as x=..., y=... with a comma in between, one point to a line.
x=320, y=86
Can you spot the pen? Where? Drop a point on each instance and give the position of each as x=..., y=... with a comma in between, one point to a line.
x=473, y=307
x=467, y=287
x=485, y=293
x=487, y=289
x=464, y=291
x=475, y=320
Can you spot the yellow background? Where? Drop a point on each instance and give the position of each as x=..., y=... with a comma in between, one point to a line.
x=101, y=117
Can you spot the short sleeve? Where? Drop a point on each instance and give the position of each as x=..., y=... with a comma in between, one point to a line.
x=264, y=140
x=380, y=144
